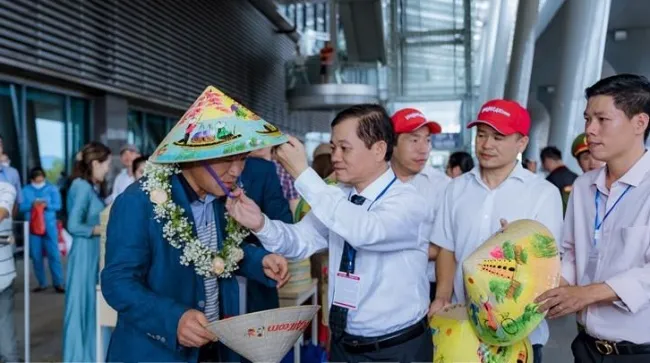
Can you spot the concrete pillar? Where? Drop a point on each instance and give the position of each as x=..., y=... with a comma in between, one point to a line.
x=523, y=51
x=540, y=122
x=580, y=66
x=110, y=126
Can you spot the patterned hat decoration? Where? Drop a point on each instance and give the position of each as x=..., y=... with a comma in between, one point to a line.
x=216, y=126
x=505, y=275
x=579, y=145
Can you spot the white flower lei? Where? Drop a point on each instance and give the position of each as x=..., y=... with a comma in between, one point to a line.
x=177, y=229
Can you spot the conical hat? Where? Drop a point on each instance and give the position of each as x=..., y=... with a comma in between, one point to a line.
x=505, y=275
x=265, y=336
x=454, y=341
x=216, y=126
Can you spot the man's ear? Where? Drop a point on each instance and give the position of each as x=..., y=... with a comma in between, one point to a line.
x=379, y=149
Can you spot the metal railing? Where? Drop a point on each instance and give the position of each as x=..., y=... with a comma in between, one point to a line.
x=308, y=72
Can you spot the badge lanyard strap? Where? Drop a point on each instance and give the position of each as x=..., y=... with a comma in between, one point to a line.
x=351, y=251
x=597, y=224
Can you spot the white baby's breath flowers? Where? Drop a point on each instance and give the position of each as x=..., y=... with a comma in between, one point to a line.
x=179, y=231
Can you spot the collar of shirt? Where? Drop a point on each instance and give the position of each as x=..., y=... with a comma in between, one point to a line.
x=372, y=191
x=518, y=173
x=633, y=177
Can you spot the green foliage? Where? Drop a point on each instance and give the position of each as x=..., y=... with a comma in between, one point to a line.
x=508, y=250
x=518, y=290
x=499, y=288
x=53, y=173
x=544, y=246
x=523, y=256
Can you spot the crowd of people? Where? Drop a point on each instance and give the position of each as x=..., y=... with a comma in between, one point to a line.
x=395, y=228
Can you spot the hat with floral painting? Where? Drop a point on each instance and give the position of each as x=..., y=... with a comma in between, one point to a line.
x=215, y=126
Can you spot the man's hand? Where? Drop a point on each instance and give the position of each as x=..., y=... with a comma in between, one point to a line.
x=436, y=306
x=192, y=331
x=292, y=156
x=245, y=211
x=563, y=300
x=276, y=267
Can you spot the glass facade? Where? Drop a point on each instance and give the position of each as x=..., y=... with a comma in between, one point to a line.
x=147, y=130
x=42, y=128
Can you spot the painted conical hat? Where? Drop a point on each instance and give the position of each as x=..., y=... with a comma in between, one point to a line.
x=216, y=126
x=505, y=275
x=454, y=341
x=264, y=336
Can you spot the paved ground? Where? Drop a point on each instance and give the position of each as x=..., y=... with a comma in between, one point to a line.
x=46, y=315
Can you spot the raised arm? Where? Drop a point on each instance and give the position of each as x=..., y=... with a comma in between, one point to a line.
x=392, y=224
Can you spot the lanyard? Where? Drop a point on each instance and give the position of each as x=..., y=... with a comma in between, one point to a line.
x=351, y=251
x=597, y=224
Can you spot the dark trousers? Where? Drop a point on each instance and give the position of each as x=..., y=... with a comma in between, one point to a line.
x=418, y=349
x=537, y=353
x=210, y=353
x=584, y=352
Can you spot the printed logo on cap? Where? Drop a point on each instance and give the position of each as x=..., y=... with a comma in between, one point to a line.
x=495, y=110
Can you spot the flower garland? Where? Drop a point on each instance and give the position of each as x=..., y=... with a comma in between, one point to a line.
x=177, y=229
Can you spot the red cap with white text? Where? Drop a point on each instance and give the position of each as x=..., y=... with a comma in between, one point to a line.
x=505, y=116
x=409, y=119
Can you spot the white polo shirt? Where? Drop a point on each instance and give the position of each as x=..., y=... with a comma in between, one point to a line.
x=471, y=213
x=431, y=184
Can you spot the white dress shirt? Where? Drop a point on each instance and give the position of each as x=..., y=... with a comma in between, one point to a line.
x=122, y=181
x=7, y=266
x=391, y=253
x=623, y=250
x=471, y=213
x=431, y=184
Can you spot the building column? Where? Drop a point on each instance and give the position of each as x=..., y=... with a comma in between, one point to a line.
x=523, y=51
x=499, y=36
x=111, y=126
x=580, y=67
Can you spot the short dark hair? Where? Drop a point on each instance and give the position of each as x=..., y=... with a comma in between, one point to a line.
x=631, y=94
x=374, y=125
x=36, y=172
x=137, y=161
x=461, y=159
x=550, y=152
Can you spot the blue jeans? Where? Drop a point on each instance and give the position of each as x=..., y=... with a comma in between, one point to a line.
x=537, y=353
x=50, y=243
x=8, y=346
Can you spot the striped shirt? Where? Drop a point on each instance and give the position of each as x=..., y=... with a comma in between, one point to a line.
x=7, y=266
x=206, y=228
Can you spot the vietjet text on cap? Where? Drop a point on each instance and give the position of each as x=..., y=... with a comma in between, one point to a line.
x=506, y=117
x=409, y=119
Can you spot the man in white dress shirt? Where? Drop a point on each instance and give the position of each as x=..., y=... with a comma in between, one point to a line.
x=371, y=222
x=477, y=204
x=410, y=164
x=606, y=241
x=128, y=153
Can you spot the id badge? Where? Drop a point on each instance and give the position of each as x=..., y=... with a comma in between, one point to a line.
x=347, y=289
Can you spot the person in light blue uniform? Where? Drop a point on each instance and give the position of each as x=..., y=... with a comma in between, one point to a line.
x=84, y=204
x=10, y=175
x=164, y=273
x=41, y=191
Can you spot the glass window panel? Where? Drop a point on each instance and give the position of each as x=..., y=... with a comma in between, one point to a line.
x=135, y=134
x=156, y=130
x=78, y=130
x=46, y=124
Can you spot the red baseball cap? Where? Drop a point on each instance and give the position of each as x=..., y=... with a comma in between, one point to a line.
x=409, y=119
x=506, y=117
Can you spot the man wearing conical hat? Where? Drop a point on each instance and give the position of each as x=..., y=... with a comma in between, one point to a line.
x=172, y=252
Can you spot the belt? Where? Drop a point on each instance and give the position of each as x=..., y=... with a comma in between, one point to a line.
x=606, y=347
x=360, y=345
